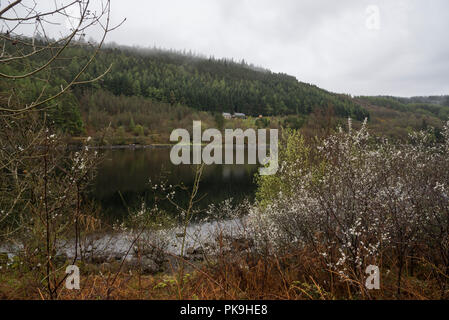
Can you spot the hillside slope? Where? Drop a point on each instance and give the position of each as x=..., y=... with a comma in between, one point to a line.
x=151, y=91
x=208, y=84
x=396, y=117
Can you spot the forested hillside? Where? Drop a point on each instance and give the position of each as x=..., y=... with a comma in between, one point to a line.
x=431, y=106
x=178, y=78
x=396, y=117
x=216, y=85
x=146, y=93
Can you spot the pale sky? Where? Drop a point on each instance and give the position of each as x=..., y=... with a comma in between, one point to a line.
x=336, y=45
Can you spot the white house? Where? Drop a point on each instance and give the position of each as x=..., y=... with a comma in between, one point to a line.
x=240, y=115
x=227, y=115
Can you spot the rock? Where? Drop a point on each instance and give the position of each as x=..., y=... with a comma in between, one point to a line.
x=146, y=266
x=195, y=251
x=145, y=252
x=98, y=258
x=196, y=254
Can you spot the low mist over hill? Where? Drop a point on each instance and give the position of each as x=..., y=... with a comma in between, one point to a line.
x=152, y=91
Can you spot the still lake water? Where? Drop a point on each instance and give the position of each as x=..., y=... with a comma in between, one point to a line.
x=128, y=172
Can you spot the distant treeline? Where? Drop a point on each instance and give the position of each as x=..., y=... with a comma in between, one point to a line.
x=431, y=106
x=136, y=116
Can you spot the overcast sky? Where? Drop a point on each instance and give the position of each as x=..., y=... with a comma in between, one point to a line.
x=339, y=45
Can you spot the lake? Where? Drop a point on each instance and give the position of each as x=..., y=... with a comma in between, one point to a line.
x=123, y=181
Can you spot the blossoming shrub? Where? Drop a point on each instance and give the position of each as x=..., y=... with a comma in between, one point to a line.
x=357, y=200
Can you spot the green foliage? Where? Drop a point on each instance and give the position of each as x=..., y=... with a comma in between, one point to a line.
x=203, y=84
x=177, y=79
x=262, y=123
x=294, y=122
x=446, y=101
x=65, y=115
x=121, y=134
x=219, y=120
x=292, y=149
x=63, y=112
x=163, y=90
x=416, y=105
x=139, y=130
x=217, y=85
x=133, y=116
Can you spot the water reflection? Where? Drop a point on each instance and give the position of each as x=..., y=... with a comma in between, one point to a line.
x=128, y=172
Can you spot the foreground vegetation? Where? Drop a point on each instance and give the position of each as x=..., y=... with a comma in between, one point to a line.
x=337, y=206
x=267, y=279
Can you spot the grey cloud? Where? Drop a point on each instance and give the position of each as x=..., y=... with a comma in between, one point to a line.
x=324, y=42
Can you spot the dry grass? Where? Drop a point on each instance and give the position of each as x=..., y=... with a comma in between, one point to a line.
x=293, y=277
